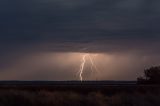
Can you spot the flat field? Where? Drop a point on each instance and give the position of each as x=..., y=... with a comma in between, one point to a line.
x=76, y=93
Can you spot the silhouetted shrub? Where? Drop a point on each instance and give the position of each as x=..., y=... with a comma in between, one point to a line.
x=151, y=76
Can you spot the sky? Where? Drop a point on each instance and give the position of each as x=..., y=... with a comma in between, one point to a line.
x=47, y=39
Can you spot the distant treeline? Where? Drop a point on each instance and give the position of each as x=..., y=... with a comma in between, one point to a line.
x=69, y=83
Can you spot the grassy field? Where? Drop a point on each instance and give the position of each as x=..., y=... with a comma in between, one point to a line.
x=80, y=95
x=68, y=98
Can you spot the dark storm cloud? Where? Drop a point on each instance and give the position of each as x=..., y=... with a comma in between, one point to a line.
x=119, y=26
x=71, y=20
x=71, y=25
x=77, y=21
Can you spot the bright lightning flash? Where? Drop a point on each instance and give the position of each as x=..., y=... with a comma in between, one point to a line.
x=86, y=57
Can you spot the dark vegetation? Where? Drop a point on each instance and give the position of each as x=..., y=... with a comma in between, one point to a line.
x=151, y=76
x=71, y=98
x=86, y=93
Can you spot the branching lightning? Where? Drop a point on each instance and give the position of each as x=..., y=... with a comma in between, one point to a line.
x=93, y=66
x=86, y=57
x=82, y=67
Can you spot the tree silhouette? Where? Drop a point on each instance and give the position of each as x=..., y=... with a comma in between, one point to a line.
x=151, y=76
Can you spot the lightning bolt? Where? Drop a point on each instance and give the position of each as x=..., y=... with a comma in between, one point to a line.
x=83, y=62
x=82, y=67
x=93, y=66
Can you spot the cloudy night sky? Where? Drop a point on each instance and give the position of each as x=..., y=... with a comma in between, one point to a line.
x=47, y=39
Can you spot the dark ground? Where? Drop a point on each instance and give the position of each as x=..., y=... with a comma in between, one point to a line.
x=73, y=93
